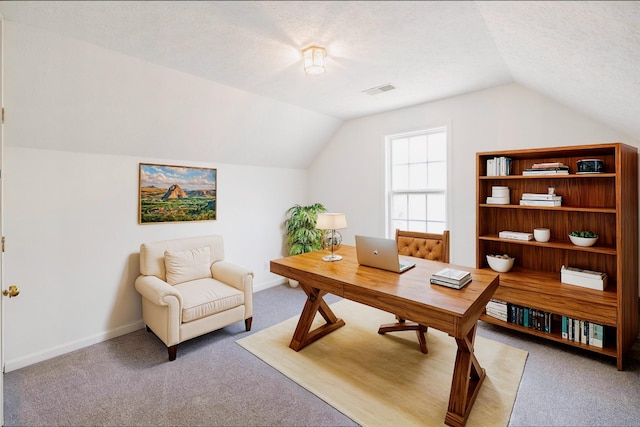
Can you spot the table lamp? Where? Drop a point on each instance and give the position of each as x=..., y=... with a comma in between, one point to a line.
x=333, y=222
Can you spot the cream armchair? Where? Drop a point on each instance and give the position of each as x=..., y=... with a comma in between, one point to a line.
x=189, y=290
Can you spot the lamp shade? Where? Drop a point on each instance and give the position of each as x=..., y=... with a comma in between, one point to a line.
x=331, y=221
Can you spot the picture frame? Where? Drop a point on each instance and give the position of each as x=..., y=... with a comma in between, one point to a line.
x=168, y=193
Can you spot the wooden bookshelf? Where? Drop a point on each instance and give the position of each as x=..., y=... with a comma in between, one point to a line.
x=606, y=203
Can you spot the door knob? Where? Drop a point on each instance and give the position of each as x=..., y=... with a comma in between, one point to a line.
x=13, y=291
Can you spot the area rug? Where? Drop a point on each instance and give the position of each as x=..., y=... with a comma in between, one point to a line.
x=383, y=380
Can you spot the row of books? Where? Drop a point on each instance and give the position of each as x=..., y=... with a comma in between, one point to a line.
x=576, y=330
x=522, y=316
x=550, y=168
x=503, y=166
x=583, y=331
x=543, y=199
x=499, y=166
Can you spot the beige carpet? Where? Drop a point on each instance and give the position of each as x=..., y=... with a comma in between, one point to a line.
x=383, y=380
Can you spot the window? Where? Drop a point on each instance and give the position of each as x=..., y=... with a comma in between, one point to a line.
x=417, y=181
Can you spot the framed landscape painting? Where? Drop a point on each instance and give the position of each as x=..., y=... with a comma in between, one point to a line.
x=176, y=194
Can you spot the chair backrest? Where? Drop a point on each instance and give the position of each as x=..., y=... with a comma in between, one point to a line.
x=152, y=254
x=424, y=245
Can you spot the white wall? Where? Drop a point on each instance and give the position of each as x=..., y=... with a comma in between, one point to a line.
x=71, y=224
x=82, y=119
x=348, y=176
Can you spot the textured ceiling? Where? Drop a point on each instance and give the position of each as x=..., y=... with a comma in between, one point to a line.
x=583, y=54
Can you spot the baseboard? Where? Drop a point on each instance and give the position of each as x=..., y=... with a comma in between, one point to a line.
x=268, y=284
x=12, y=365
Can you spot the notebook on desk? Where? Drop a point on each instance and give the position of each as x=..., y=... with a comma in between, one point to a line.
x=380, y=253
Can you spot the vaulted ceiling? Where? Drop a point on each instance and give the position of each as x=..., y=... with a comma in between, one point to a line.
x=585, y=55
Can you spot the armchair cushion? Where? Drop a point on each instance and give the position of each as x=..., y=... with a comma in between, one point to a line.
x=183, y=266
x=204, y=297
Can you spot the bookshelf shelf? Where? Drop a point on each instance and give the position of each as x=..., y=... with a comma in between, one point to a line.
x=558, y=244
x=608, y=350
x=605, y=203
x=570, y=176
x=555, y=208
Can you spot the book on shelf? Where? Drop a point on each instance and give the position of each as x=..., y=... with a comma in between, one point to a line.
x=499, y=166
x=546, y=165
x=585, y=278
x=491, y=167
x=541, y=196
x=499, y=195
x=553, y=171
x=498, y=200
x=541, y=203
x=498, y=309
x=515, y=235
x=497, y=315
x=583, y=272
x=527, y=317
x=596, y=335
x=582, y=331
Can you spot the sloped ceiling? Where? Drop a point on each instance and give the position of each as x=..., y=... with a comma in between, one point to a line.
x=583, y=54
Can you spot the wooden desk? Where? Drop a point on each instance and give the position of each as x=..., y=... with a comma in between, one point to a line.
x=408, y=295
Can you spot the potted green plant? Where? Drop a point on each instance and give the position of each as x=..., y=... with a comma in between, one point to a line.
x=300, y=229
x=583, y=238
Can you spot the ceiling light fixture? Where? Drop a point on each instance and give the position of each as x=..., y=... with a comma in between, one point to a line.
x=314, y=60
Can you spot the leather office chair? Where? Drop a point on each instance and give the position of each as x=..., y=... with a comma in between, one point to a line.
x=420, y=245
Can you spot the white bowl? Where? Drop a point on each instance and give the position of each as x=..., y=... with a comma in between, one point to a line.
x=583, y=241
x=541, y=234
x=499, y=264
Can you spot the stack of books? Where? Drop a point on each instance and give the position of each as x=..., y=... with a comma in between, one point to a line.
x=533, y=199
x=551, y=168
x=499, y=166
x=451, y=278
x=585, y=278
x=498, y=309
x=499, y=196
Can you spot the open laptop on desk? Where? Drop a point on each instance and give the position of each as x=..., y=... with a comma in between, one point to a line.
x=380, y=253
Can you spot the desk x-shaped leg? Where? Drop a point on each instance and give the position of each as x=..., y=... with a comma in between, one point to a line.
x=303, y=335
x=467, y=378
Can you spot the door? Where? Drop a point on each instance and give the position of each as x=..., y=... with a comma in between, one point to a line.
x=1, y=220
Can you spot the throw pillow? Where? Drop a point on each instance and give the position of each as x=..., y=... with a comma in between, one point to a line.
x=183, y=266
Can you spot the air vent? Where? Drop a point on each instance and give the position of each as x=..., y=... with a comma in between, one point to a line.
x=379, y=89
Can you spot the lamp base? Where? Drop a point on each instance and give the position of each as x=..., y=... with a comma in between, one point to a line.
x=331, y=258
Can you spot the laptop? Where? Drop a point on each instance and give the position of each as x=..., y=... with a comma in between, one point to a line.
x=380, y=253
